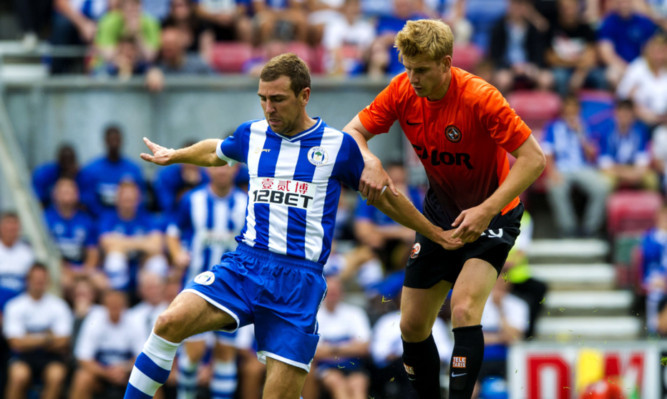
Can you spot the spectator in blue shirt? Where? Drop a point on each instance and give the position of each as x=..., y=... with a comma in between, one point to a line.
x=130, y=238
x=570, y=159
x=100, y=178
x=624, y=156
x=175, y=180
x=654, y=265
x=390, y=240
x=384, y=56
x=45, y=176
x=75, y=235
x=621, y=37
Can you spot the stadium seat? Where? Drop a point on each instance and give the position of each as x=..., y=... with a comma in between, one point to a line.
x=303, y=51
x=466, y=56
x=536, y=108
x=632, y=211
x=230, y=57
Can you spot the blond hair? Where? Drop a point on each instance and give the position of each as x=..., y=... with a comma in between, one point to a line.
x=428, y=37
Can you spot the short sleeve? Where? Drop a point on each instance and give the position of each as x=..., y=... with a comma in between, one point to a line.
x=234, y=148
x=181, y=221
x=548, y=139
x=92, y=235
x=85, y=343
x=63, y=320
x=606, y=30
x=379, y=115
x=350, y=163
x=12, y=326
x=499, y=119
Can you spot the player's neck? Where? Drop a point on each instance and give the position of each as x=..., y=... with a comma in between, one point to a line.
x=306, y=123
x=66, y=211
x=220, y=191
x=441, y=91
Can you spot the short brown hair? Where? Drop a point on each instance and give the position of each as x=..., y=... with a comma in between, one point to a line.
x=287, y=65
x=425, y=37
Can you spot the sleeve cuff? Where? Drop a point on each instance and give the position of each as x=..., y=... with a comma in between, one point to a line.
x=221, y=155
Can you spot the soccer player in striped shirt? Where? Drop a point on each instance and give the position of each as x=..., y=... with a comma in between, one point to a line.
x=274, y=278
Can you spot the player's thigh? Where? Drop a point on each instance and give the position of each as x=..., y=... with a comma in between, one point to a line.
x=189, y=314
x=420, y=307
x=471, y=290
x=282, y=380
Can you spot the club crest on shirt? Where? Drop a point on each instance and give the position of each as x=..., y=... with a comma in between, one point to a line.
x=205, y=278
x=415, y=250
x=318, y=156
x=453, y=133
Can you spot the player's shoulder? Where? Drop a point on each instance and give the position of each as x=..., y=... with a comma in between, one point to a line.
x=474, y=89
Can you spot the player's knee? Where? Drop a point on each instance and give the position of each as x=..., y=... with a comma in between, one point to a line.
x=19, y=375
x=463, y=315
x=168, y=326
x=414, y=330
x=55, y=374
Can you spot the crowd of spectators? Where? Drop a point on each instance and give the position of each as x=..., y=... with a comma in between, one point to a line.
x=121, y=258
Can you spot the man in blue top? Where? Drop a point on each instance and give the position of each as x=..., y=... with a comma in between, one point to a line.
x=274, y=277
x=621, y=38
x=99, y=180
x=44, y=177
x=624, y=155
x=130, y=238
x=75, y=235
x=570, y=163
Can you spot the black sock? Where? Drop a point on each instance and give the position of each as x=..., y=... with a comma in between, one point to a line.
x=466, y=361
x=422, y=363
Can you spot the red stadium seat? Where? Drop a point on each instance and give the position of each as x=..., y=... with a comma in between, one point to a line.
x=632, y=211
x=536, y=108
x=466, y=56
x=303, y=51
x=229, y=57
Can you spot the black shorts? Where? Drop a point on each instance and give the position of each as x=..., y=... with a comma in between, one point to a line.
x=38, y=360
x=429, y=263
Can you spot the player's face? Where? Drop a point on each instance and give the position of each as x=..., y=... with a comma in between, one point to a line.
x=66, y=193
x=427, y=77
x=282, y=107
x=222, y=176
x=38, y=282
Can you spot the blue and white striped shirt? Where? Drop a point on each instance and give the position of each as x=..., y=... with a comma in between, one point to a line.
x=294, y=185
x=207, y=225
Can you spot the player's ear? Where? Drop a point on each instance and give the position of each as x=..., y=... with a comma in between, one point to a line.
x=446, y=63
x=304, y=96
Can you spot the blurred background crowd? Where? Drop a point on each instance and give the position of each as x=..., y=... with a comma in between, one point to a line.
x=588, y=76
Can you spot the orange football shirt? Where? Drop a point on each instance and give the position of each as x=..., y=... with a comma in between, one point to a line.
x=462, y=139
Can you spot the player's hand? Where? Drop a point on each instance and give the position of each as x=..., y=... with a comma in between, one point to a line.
x=161, y=155
x=448, y=242
x=373, y=180
x=471, y=223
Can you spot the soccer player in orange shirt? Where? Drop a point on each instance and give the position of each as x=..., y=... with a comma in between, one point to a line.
x=461, y=128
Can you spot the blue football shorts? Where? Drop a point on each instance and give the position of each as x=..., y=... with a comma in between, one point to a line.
x=279, y=294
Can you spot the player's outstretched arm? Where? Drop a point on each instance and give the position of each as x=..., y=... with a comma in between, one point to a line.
x=399, y=208
x=374, y=178
x=202, y=153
